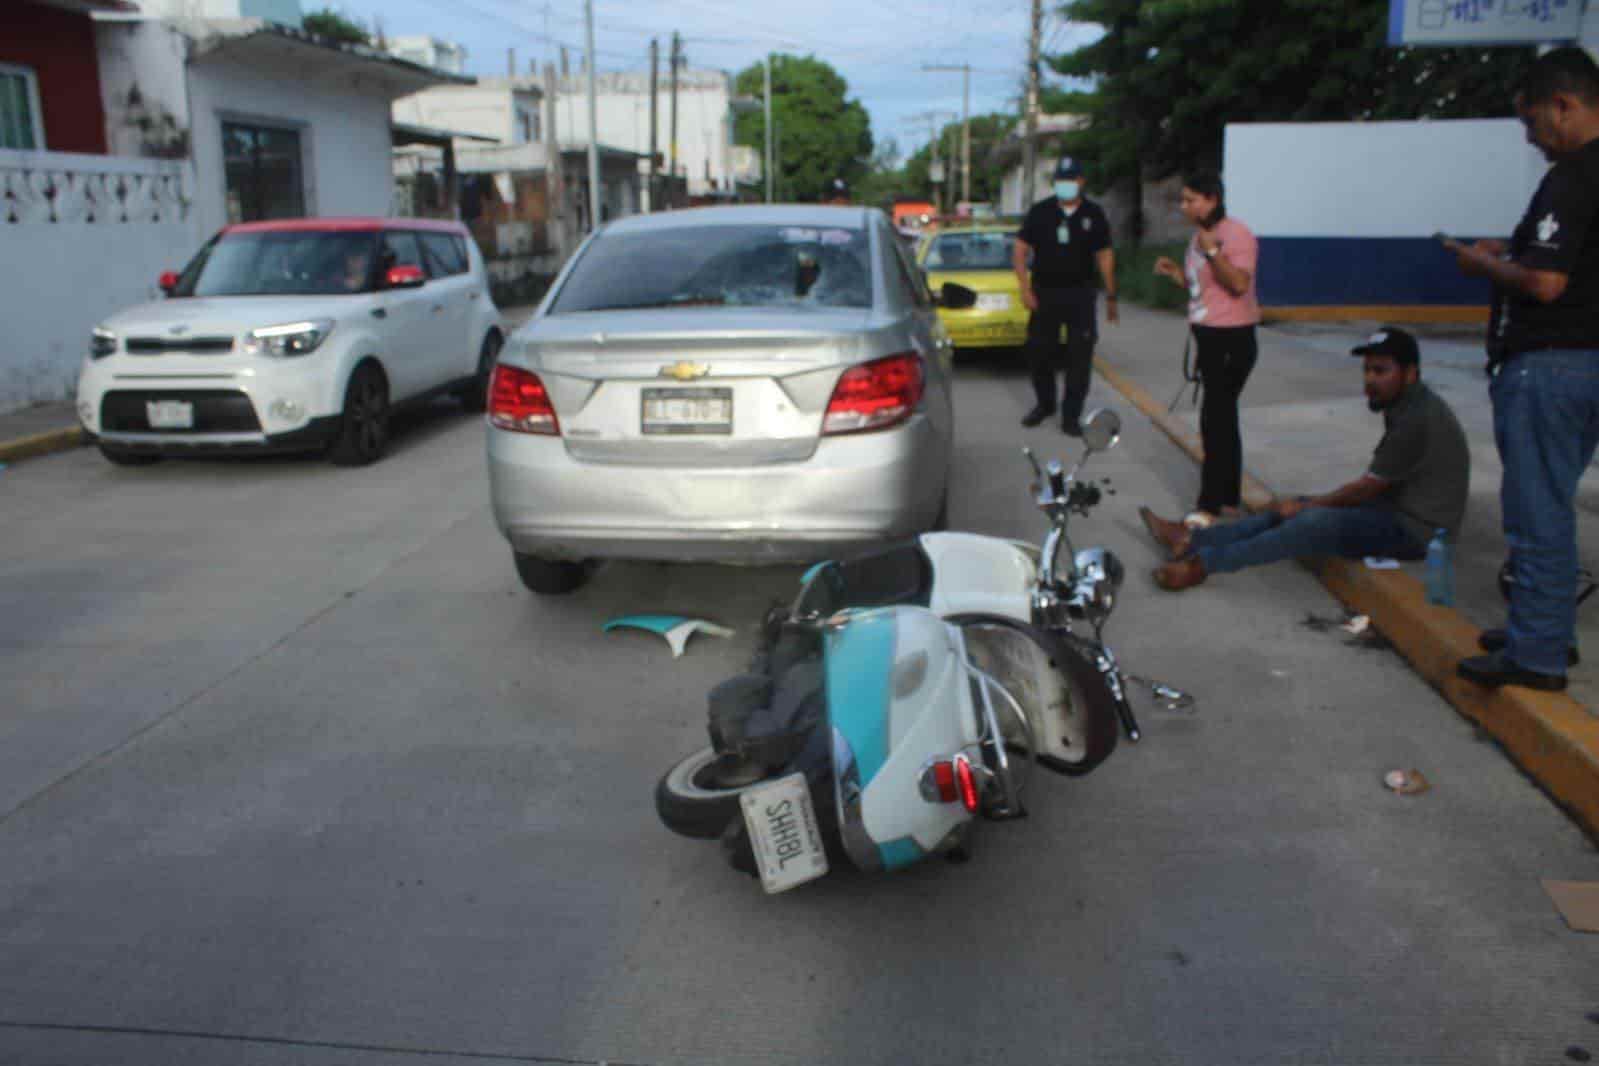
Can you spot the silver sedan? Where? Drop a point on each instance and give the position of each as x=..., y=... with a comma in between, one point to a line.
x=729, y=384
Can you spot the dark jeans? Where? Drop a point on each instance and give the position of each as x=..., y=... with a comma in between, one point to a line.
x=1353, y=532
x=1074, y=309
x=1225, y=356
x=1546, y=423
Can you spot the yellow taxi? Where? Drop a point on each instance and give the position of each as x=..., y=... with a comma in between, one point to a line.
x=978, y=256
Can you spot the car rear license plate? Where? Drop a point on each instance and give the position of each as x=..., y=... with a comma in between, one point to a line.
x=993, y=301
x=169, y=414
x=687, y=411
x=783, y=831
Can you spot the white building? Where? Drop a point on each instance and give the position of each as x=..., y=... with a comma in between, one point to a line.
x=429, y=52
x=705, y=105
x=177, y=128
x=506, y=110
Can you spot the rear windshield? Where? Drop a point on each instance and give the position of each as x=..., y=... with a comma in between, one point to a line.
x=736, y=266
x=285, y=263
x=970, y=251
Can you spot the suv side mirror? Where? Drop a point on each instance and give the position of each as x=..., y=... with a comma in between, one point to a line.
x=955, y=297
x=404, y=277
x=169, y=281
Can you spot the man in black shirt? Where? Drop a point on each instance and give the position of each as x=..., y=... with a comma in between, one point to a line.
x=1067, y=239
x=1544, y=346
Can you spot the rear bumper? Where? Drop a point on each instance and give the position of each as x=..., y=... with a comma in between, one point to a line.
x=854, y=491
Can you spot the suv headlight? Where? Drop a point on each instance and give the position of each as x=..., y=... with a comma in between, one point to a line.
x=102, y=342
x=294, y=338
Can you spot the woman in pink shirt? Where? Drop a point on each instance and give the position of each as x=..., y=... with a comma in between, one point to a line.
x=1219, y=274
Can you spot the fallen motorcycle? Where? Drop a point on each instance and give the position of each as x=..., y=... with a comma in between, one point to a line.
x=909, y=691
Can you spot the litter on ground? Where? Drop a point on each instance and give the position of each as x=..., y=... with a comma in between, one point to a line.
x=675, y=628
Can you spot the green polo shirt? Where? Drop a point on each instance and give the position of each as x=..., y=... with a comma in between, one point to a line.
x=1424, y=458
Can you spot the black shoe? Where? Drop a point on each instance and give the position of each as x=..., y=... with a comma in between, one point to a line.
x=1495, y=670
x=1035, y=416
x=1498, y=639
x=1071, y=427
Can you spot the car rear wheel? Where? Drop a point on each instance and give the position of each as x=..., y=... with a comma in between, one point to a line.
x=364, y=423
x=475, y=397
x=549, y=577
x=126, y=458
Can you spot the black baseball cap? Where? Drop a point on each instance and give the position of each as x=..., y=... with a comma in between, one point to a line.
x=1393, y=342
x=1068, y=169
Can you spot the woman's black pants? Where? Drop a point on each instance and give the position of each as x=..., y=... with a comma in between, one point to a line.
x=1225, y=356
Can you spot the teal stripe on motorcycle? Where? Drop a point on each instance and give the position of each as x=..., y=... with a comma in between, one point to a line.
x=899, y=853
x=860, y=668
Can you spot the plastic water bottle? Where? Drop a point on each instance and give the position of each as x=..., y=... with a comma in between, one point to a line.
x=1441, y=570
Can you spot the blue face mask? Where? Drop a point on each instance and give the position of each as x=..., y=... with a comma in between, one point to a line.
x=1068, y=190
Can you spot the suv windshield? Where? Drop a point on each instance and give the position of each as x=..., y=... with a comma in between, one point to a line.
x=970, y=251
x=739, y=266
x=297, y=263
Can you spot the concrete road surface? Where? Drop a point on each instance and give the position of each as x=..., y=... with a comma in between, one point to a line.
x=292, y=770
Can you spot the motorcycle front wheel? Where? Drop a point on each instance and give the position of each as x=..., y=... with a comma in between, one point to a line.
x=698, y=796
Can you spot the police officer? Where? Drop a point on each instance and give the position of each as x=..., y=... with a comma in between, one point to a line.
x=836, y=193
x=1544, y=347
x=1067, y=238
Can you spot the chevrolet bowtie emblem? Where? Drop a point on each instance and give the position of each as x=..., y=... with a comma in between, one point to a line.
x=685, y=371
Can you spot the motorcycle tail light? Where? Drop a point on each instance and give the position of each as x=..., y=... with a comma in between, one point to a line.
x=519, y=402
x=875, y=395
x=944, y=779
x=966, y=783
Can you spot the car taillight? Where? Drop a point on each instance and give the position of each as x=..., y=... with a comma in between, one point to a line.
x=875, y=395
x=519, y=402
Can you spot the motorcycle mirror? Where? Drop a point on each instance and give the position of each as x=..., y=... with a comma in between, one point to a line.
x=1038, y=471
x=1101, y=430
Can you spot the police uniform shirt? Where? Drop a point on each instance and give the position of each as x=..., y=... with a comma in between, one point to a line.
x=1560, y=233
x=1064, y=243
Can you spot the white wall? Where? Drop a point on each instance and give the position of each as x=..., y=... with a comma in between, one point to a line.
x=1471, y=177
x=622, y=104
x=149, y=56
x=486, y=110
x=96, y=246
x=346, y=152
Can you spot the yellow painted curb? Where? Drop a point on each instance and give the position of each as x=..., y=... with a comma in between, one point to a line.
x=1425, y=314
x=1548, y=734
x=55, y=440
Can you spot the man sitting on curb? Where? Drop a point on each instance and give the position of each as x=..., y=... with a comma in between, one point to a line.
x=1417, y=485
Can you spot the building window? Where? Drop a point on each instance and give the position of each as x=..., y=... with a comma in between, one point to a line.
x=21, y=121
x=263, y=172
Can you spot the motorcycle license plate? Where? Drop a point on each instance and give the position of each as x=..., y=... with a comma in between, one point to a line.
x=782, y=825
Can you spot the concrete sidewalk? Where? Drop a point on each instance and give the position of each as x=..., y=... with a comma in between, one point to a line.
x=1307, y=429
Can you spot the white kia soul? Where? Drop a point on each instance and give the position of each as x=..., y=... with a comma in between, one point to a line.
x=294, y=335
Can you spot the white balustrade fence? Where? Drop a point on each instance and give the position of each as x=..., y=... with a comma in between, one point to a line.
x=81, y=236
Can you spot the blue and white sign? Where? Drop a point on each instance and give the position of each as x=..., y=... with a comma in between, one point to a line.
x=1483, y=22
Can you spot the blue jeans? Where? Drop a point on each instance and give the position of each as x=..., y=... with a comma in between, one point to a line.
x=1546, y=424
x=1353, y=532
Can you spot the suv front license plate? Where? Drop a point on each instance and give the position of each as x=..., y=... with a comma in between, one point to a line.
x=169, y=414
x=783, y=831
x=687, y=411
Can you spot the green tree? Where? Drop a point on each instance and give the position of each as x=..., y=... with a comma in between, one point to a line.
x=987, y=131
x=821, y=135
x=1170, y=74
x=335, y=26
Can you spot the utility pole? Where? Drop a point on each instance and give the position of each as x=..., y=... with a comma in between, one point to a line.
x=935, y=166
x=1030, y=147
x=767, y=126
x=594, y=125
x=966, y=124
x=677, y=58
x=510, y=63
x=554, y=171
x=655, y=58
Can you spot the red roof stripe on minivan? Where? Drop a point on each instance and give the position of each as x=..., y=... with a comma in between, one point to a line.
x=344, y=225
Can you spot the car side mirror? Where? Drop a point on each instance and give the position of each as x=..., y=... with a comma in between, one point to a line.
x=169, y=281
x=404, y=277
x=955, y=297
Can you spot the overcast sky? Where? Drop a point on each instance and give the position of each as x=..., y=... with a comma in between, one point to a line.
x=878, y=46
